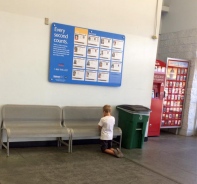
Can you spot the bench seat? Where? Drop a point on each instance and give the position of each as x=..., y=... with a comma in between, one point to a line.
x=83, y=122
x=29, y=121
x=28, y=132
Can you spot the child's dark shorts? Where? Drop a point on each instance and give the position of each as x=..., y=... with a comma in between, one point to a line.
x=106, y=144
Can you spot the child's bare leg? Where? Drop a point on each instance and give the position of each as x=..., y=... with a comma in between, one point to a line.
x=110, y=151
x=113, y=152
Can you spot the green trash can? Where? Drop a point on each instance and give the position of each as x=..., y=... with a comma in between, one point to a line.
x=132, y=119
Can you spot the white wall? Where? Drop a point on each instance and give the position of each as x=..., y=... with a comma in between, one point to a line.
x=182, y=15
x=24, y=48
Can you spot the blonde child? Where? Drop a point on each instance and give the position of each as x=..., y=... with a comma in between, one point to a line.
x=106, y=126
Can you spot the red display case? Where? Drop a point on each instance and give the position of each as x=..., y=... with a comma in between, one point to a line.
x=176, y=82
x=157, y=98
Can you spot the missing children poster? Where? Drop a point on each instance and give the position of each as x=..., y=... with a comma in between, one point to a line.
x=85, y=56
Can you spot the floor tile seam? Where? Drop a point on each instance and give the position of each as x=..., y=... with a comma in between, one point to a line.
x=10, y=154
x=40, y=173
x=152, y=170
x=178, y=166
x=48, y=180
x=17, y=151
x=190, y=172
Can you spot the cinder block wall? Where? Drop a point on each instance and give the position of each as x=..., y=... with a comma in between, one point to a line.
x=183, y=45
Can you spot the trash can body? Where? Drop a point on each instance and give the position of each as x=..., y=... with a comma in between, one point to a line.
x=133, y=125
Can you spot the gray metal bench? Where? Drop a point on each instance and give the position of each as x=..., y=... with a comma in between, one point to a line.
x=28, y=121
x=83, y=123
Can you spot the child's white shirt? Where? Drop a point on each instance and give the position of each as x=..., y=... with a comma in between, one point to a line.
x=107, y=123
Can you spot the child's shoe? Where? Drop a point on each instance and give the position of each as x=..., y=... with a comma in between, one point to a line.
x=119, y=152
x=116, y=153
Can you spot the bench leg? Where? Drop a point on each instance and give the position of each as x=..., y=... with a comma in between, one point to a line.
x=58, y=142
x=8, y=146
x=120, y=142
x=71, y=144
x=1, y=138
x=64, y=143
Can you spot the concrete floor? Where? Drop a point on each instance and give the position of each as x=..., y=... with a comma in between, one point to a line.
x=168, y=159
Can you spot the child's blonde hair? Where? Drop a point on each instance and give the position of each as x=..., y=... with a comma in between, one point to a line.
x=107, y=108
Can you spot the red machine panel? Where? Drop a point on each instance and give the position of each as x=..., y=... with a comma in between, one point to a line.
x=157, y=99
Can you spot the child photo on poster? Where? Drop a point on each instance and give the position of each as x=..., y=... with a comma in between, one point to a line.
x=171, y=73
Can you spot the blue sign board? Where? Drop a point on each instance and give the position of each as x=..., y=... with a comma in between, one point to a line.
x=85, y=56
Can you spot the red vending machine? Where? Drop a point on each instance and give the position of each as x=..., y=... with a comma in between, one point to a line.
x=157, y=98
x=176, y=82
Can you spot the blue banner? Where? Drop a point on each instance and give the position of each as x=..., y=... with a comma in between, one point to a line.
x=85, y=56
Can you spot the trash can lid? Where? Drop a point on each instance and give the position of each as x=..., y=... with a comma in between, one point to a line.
x=134, y=108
